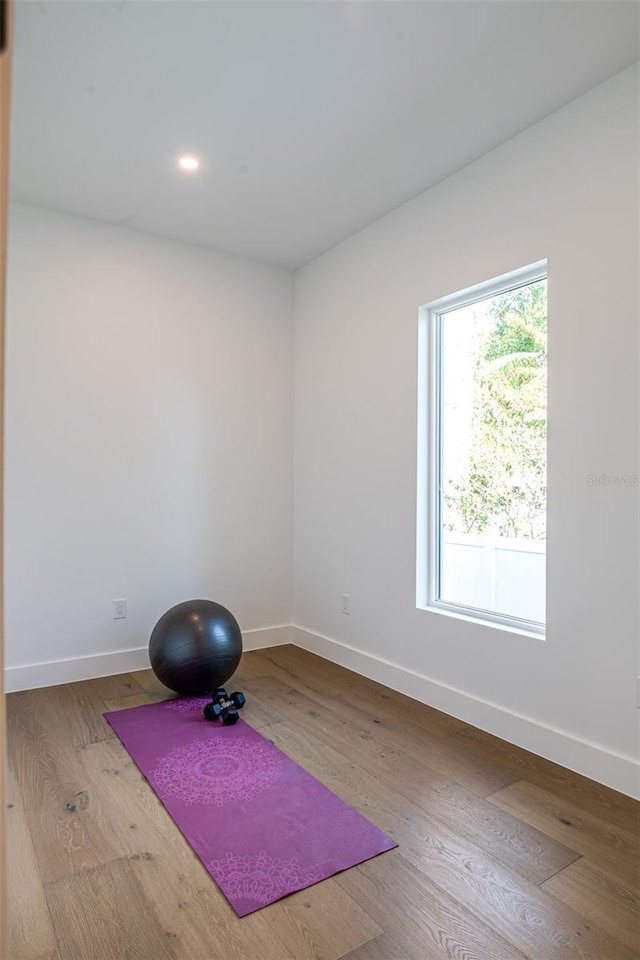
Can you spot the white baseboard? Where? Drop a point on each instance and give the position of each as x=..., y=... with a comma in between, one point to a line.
x=615, y=770
x=51, y=673
x=266, y=637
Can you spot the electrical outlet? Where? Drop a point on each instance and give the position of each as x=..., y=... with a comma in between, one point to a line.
x=346, y=603
x=119, y=609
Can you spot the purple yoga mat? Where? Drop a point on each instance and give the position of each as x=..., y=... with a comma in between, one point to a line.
x=262, y=826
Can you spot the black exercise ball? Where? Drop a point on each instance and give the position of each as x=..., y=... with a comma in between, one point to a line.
x=195, y=647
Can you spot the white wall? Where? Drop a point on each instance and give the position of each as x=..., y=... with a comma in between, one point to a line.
x=566, y=190
x=148, y=440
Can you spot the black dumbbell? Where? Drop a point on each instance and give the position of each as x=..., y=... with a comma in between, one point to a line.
x=224, y=710
x=225, y=707
x=238, y=699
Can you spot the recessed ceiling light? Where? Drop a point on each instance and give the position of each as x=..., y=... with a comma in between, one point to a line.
x=188, y=163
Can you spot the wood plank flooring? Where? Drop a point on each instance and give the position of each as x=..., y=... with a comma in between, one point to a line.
x=501, y=856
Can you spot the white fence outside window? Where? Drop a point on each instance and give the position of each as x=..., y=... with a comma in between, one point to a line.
x=504, y=574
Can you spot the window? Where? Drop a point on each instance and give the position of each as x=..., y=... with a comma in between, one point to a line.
x=482, y=452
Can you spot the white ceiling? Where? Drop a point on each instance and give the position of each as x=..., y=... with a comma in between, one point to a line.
x=312, y=119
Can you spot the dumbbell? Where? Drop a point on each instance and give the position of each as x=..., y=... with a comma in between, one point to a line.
x=225, y=707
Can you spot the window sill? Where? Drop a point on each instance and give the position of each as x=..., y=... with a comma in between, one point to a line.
x=483, y=622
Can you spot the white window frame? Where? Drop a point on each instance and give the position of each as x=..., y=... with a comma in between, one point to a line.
x=430, y=443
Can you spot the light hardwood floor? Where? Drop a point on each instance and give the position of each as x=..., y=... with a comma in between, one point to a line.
x=502, y=855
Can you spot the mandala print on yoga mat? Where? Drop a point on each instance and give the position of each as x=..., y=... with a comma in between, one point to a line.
x=217, y=771
x=187, y=704
x=262, y=878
